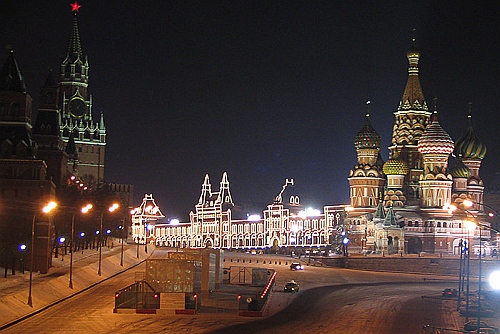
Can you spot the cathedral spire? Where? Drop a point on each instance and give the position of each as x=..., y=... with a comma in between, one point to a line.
x=390, y=219
x=413, y=98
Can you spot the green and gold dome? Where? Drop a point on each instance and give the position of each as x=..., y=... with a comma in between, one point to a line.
x=395, y=166
x=367, y=137
x=469, y=146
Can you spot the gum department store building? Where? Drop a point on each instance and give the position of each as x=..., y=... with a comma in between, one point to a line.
x=397, y=206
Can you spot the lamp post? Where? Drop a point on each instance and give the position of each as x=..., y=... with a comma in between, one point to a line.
x=121, y=255
x=85, y=209
x=110, y=209
x=470, y=226
x=480, y=280
x=460, y=273
x=46, y=209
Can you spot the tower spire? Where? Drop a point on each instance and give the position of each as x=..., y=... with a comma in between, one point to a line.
x=413, y=97
x=206, y=190
x=74, y=46
x=224, y=192
x=11, y=78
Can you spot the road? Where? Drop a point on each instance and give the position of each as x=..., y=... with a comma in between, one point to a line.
x=362, y=305
x=397, y=308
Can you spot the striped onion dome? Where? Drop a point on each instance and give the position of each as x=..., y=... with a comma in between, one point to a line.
x=367, y=137
x=395, y=166
x=435, y=139
x=469, y=146
x=460, y=171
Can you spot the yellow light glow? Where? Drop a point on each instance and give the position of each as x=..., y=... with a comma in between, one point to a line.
x=113, y=207
x=49, y=207
x=468, y=203
x=86, y=208
x=470, y=225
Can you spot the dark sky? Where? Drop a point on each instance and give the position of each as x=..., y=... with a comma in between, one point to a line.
x=265, y=90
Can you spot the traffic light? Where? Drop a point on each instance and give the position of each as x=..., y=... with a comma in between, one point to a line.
x=464, y=246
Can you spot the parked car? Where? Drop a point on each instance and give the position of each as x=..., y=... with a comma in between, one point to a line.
x=296, y=266
x=488, y=330
x=486, y=310
x=472, y=326
x=291, y=286
x=449, y=292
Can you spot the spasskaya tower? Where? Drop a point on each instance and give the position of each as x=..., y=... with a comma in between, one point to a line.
x=77, y=123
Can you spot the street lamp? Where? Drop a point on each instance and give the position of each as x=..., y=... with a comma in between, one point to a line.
x=345, y=242
x=22, y=248
x=61, y=240
x=110, y=209
x=495, y=280
x=46, y=209
x=85, y=209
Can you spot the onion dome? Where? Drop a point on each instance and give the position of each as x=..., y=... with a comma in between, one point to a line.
x=367, y=137
x=457, y=168
x=395, y=166
x=435, y=139
x=460, y=171
x=469, y=146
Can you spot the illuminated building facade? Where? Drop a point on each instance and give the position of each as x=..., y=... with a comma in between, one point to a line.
x=285, y=224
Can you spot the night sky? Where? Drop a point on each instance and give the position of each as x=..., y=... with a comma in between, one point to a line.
x=265, y=90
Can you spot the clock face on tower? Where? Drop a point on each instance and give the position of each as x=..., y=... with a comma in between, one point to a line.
x=77, y=107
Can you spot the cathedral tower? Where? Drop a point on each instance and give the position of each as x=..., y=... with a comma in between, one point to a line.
x=471, y=151
x=411, y=120
x=366, y=179
x=435, y=145
x=76, y=110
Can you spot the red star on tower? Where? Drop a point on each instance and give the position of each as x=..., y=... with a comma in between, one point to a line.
x=75, y=6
